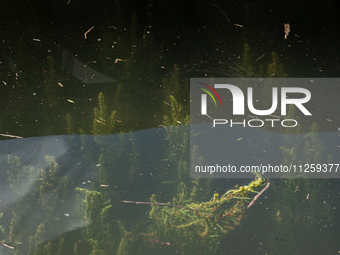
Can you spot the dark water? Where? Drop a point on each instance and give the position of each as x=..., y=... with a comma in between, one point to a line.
x=137, y=54
x=301, y=221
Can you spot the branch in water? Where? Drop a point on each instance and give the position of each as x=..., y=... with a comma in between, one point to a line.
x=161, y=204
x=222, y=12
x=252, y=202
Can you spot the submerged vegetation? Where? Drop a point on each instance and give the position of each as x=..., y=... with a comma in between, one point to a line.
x=53, y=212
x=198, y=227
x=300, y=206
x=89, y=219
x=94, y=218
x=192, y=223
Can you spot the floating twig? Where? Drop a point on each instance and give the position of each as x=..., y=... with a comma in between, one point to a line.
x=274, y=116
x=118, y=60
x=93, y=61
x=87, y=32
x=209, y=116
x=238, y=25
x=161, y=204
x=167, y=103
x=222, y=12
x=157, y=241
x=8, y=246
x=13, y=136
x=161, y=126
x=260, y=57
x=287, y=29
x=252, y=202
x=286, y=26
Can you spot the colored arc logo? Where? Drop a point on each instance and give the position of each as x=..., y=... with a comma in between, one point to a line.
x=208, y=92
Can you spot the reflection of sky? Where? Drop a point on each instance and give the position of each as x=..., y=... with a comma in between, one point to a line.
x=153, y=148
x=256, y=144
x=245, y=146
x=80, y=170
x=31, y=151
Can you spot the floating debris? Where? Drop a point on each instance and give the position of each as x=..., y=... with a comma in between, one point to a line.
x=71, y=101
x=104, y=185
x=286, y=26
x=168, y=182
x=157, y=241
x=8, y=246
x=13, y=136
x=101, y=122
x=61, y=85
x=107, y=202
x=161, y=204
x=222, y=12
x=274, y=116
x=37, y=40
x=167, y=103
x=93, y=61
x=278, y=216
x=160, y=126
x=85, y=35
x=118, y=60
x=252, y=202
x=260, y=57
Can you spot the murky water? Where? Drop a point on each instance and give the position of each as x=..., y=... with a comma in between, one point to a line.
x=87, y=122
